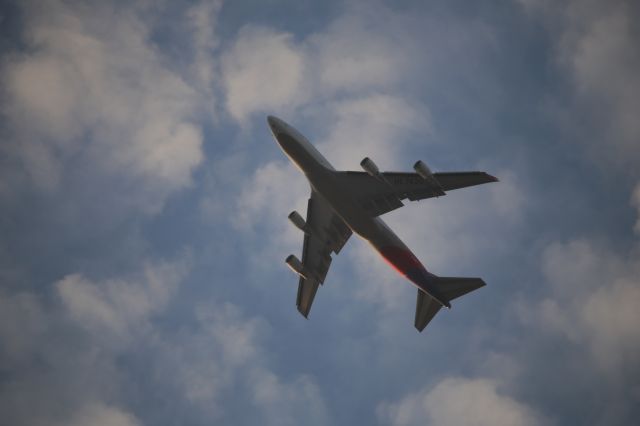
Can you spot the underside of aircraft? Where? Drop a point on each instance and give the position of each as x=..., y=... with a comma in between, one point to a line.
x=347, y=202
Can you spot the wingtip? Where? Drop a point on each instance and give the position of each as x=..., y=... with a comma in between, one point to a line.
x=493, y=178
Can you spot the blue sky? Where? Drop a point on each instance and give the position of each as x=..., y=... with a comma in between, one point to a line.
x=144, y=204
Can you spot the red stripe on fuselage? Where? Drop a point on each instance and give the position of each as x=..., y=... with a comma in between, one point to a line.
x=401, y=260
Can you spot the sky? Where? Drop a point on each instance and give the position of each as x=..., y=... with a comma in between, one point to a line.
x=144, y=212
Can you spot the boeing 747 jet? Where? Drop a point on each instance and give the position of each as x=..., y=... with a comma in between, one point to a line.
x=344, y=202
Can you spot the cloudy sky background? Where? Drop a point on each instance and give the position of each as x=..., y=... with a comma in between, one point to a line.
x=144, y=204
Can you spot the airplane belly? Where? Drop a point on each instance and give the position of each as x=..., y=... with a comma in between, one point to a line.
x=376, y=232
x=343, y=204
x=334, y=195
x=401, y=258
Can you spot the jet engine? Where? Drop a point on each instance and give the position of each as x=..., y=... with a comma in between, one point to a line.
x=370, y=167
x=425, y=173
x=298, y=221
x=295, y=265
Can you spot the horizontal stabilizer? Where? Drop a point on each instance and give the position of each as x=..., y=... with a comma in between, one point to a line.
x=426, y=308
x=448, y=288
x=453, y=287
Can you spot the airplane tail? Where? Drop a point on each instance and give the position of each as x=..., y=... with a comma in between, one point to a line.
x=448, y=288
x=453, y=287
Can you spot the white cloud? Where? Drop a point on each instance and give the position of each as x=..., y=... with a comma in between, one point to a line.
x=270, y=72
x=62, y=352
x=606, y=65
x=265, y=201
x=375, y=125
x=99, y=414
x=462, y=226
x=288, y=403
x=209, y=370
x=459, y=401
x=226, y=353
x=377, y=282
x=93, y=93
x=202, y=18
x=210, y=360
x=596, y=44
x=263, y=71
x=509, y=197
x=274, y=190
x=352, y=55
x=117, y=307
x=594, y=289
x=593, y=302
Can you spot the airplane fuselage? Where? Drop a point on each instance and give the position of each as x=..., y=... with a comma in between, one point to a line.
x=323, y=179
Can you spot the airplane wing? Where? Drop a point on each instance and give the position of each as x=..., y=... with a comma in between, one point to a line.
x=380, y=196
x=327, y=233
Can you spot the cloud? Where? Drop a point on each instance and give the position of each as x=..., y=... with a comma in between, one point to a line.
x=349, y=56
x=288, y=403
x=376, y=125
x=462, y=234
x=19, y=337
x=353, y=91
x=120, y=308
x=596, y=48
x=373, y=125
x=92, y=101
x=606, y=66
x=109, y=115
x=202, y=18
x=99, y=414
x=457, y=401
x=635, y=202
x=262, y=71
x=208, y=361
x=274, y=72
x=593, y=297
x=98, y=351
x=274, y=189
x=222, y=367
x=586, y=320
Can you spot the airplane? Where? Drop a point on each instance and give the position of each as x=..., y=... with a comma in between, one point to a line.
x=347, y=202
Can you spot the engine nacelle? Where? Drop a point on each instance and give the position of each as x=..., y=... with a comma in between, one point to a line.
x=295, y=265
x=423, y=170
x=426, y=174
x=370, y=167
x=298, y=221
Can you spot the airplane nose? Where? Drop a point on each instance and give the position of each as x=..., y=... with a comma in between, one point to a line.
x=275, y=123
